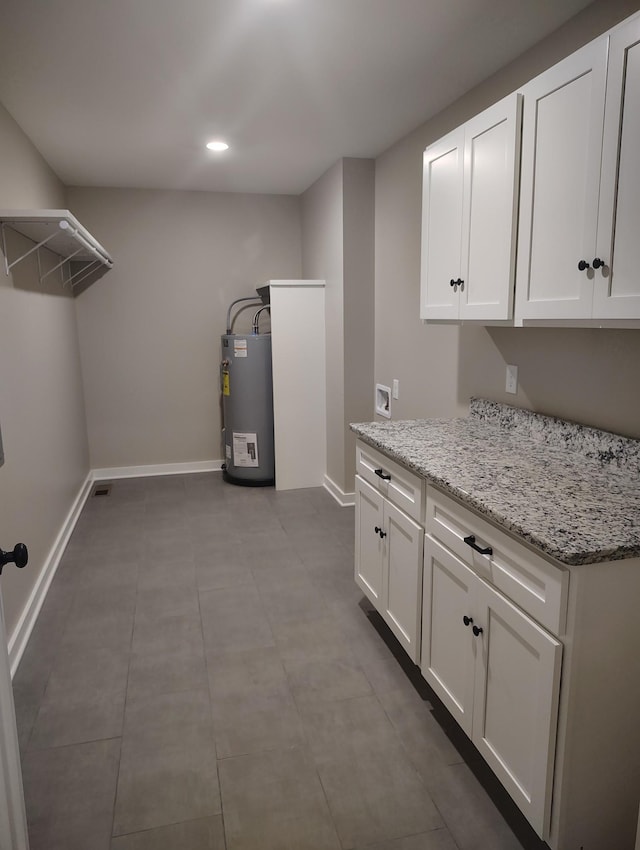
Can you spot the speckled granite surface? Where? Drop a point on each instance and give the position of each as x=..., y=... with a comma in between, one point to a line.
x=571, y=491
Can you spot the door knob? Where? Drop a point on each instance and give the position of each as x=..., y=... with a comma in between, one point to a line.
x=598, y=263
x=18, y=556
x=477, y=630
x=582, y=265
x=467, y=620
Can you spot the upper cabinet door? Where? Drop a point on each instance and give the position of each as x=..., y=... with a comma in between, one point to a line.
x=616, y=292
x=561, y=153
x=442, y=186
x=490, y=210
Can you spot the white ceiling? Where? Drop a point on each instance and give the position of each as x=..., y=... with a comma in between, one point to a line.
x=126, y=92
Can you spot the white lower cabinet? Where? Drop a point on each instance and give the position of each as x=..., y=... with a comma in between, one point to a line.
x=538, y=662
x=388, y=563
x=497, y=672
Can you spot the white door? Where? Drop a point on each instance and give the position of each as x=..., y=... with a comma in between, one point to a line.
x=489, y=214
x=402, y=553
x=561, y=150
x=442, y=186
x=13, y=822
x=516, y=696
x=447, y=661
x=368, y=544
x=616, y=293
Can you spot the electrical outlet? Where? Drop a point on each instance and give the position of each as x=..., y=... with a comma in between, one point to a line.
x=396, y=388
x=512, y=379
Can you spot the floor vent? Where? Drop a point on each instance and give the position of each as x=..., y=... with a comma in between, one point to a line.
x=102, y=489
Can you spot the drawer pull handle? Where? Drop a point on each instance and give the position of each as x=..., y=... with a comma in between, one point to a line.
x=471, y=541
x=467, y=620
x=477, y=630
x=382, y=475
x=380, y=532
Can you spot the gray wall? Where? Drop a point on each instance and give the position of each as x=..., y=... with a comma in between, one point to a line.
x=41, y=401
x=323, y=259
x=150, y=329
x=358, y=301
x=589, y=376
x=337, y=246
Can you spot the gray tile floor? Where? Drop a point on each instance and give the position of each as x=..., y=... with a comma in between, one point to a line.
x=204, y=675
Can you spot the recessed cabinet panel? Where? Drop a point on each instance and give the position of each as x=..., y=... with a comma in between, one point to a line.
x=491, y=172
x=560, y=188
x=447, y=660
x=404, y=543
x=441, y=226
x=617, y=284
x=516, y=702
x=368, y=560
x=561, y=150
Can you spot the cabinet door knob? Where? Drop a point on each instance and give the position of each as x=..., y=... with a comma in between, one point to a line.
x=477, y=630
x=582, y=265
x=18, y=556
x=471, y=541
x=382, y=475
x=452, y=282
x=380, y=532
x=460, y=283
x=598, y=263
x=467, y=620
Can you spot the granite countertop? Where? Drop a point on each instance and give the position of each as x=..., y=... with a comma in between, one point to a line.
x=569, y=490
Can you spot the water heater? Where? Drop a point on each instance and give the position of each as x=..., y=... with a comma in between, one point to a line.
x=247, y=408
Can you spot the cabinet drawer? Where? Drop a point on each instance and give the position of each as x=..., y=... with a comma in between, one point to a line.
x=539, y=587
x=400, y=486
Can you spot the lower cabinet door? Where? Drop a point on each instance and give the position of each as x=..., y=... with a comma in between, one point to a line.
x=402, y=551
x=516, y=695
x=448, y=643
x=368, y=544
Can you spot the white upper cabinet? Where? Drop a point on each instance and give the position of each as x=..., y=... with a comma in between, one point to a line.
x=561, y=151
x=469, y=207
x=578, y=248
x=616, y=292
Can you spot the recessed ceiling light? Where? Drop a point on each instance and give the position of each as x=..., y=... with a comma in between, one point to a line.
x=217, y=146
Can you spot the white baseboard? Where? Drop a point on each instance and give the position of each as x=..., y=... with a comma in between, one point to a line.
x=108, y=473
x=345, y=500
x=21, y=633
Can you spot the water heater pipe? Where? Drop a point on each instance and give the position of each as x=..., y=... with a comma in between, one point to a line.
x=256, y=318
x=238, y=301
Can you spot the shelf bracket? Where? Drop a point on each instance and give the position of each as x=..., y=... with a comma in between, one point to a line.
x=82, y=273
x=59, y=265
x=8, y=266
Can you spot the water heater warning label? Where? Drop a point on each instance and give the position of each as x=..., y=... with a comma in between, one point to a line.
x=245, y=449
x=239, y=348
